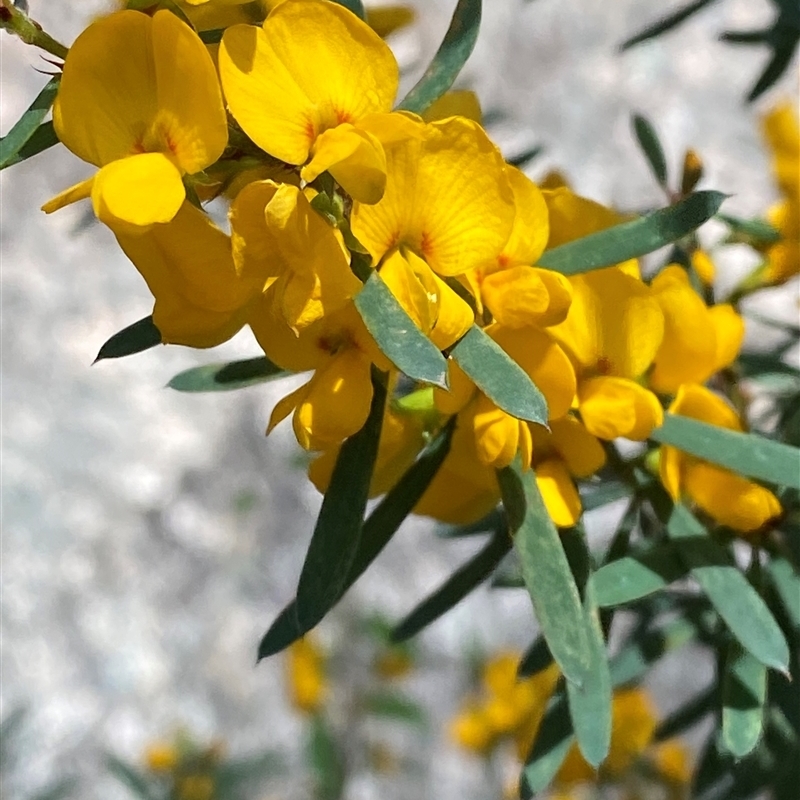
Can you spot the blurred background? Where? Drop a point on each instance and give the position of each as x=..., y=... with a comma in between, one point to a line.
x=150, y=537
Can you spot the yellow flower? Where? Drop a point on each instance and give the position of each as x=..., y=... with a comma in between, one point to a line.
x=201, y=300
x=612, y=331
x=146, y=119
x=161, y=757
x=195, y=787
x=456, y=103
x=704, y=266
x=698, y=341
x=306, y=675
x=727, y=497
x=309, y=83
x=447, y=199
x=385, y=20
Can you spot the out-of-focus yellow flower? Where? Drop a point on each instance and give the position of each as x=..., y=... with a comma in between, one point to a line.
x=146, y=119
x=704, y=266
x=612, y=332
x=671, y=760
x=195, y=787
x=698, y=341
x=161, y=757
x=314, y=82
x=729, y=498
x=508, y=707
x=385, y=20
x=306, y=675
x=393, y=663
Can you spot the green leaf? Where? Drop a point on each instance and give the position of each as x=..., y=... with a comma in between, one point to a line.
x=547, y=573
x=665, y=24
x=729, y=591
x=499, y=377
x=130, y=777
x=688, y=715
x=136, y=338
x=755, y=365
x=637, y=575
x=635, y=238
x=744, y=692
x=744, y=453
x=27, y=125
x=520, y=160
x=213, y=36
x=651, y=147
x=590, y=703
x=634, y=660
x=393, y=705
x=535, y=659
x=607, y=492
x=327, y=760
x=453, y=53
x=398, y=336
x=233, y=774
x=784, y=44
x=42, y=139
x=456, y=587
x=486, y=524
x=758, y=229
x=356, y=6
x=553, y=741
x=227, y=376
x=786, y=580
x=337, y=534
x=378, y=529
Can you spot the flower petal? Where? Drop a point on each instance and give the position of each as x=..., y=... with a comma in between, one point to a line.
x=582, y=452
x=612, y=407
x=531, y=226
x=558, y=490
x=522, y=296
x=700, y=403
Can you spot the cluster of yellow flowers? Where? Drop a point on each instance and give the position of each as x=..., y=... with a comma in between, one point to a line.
x=327, y=185
x=512, y=708
x=188, y=769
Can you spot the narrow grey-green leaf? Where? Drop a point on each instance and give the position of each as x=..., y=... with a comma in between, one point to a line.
x=744, y=692
x=327, y=759
x=590, y=703
x=27, y=125
x=337, y=534
x=398, y=337
x=553, y=741
x=130, y=777
x=378, y=529
x=499, y=377
x=635, y=238
x=451, y=56
x=593, y=497
x=140, y=336
x=757, y=229
x=651, y=147
x=665, y=24
x=393, y=705
x=729, y=591
x=226, y=377
x=43, y=138
x=546, y=570
x=637, y=575
x=786, y=580
x=466, y=578
x=745, y=453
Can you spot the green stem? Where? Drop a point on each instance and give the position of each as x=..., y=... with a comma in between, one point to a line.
x=19, y=23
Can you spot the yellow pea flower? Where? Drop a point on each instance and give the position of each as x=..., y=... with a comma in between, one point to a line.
x=161, y=757
x=201, y=300
x=456, y=103
x=279, y=239
x=305, y=667
x=698, y=341
x=195, y=787
x=306, y=84
x=729, y=498
x=385, y=20
x=139, y=98
x=447, y=199
x=612, y=331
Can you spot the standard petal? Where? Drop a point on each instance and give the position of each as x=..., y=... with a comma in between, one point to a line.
x=522, y=296
x=560, y=496
x=700, y=403
x=531, y=226
x=729, y=334
x=613, y=407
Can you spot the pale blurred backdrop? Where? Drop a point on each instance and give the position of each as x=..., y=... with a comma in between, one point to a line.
x=149, y=537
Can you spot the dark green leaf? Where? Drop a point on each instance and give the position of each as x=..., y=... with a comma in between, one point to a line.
x=136, y=338
x=499, y=377
x=233, y=774
x=378, y=529
x=635, y=238
x=337, y=534
x=27, y=125
x=590, y=703
x=744, y=691
x=651, y=147
x=786, y=580
x=637, y=575
x=456, y=587
x=42, y=139
x=632, y=663
x=130, y=777
x=713, y=776
x=619, y=545
x=553, y=741
x=593, y=497
x=491, y=522
x=449, y=59
x=751, y=229
x=784, y=44
x=688, y=715
x=729, y=591
x=525, y=157
x=356, y=6
x=225, y=377
x=666, y=24
x=535, y=659
x=745, y=453
x=404, y=344
x=393, y=705
x=754, y=365
x=327, y=760
x=547, y=573
x=213, y=36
